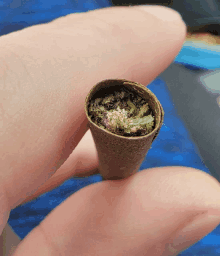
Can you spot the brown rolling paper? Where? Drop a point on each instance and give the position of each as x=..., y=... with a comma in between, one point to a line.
x=124, y=118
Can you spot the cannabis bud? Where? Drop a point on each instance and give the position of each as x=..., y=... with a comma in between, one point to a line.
x=123, y=112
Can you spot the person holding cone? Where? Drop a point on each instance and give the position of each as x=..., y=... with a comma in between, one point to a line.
x=47, y=71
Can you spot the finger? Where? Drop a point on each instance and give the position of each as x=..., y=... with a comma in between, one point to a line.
x=8, y=241
x=49, y=69
x=136, y=216
x=83, y=162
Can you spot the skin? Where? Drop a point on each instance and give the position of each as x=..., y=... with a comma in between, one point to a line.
x=46, y=72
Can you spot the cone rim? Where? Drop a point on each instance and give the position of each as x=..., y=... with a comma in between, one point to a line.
x=135, y=84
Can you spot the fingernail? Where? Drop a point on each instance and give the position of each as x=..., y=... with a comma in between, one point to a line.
x=164, y=13
x=194, y=232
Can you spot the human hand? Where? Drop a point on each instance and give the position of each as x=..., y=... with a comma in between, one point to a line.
x=46, y=73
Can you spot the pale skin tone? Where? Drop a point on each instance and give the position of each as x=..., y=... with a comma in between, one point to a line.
x=46, y=72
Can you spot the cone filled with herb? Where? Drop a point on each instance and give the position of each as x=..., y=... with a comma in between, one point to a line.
x=124, y=118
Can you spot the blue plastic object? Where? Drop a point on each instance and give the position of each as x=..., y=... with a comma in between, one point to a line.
x=199, y=55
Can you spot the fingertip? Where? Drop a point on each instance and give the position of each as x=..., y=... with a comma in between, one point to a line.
x=164, y=13
x=196, y=189
x=168, y=16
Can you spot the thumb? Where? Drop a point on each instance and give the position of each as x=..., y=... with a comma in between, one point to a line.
x=145, y=214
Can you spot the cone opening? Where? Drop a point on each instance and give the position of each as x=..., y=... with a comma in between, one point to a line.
x=110, y=87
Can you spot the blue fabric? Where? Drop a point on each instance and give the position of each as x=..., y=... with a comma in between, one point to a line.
x=18, y=14
x=173, y=145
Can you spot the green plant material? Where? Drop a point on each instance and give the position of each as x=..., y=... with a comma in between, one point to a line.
x=144, y=109
x=133, y=108
x=120, y=95
x=146, y=122
x=123, y=113
x=108, y=99
x=97, y=101
x=118, y=119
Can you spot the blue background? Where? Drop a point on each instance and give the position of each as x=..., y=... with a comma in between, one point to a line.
x=172, y=147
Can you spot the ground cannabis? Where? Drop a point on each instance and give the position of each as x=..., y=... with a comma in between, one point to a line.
x=123, y=112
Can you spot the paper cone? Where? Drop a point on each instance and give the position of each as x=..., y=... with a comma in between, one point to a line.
x=119, y=156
